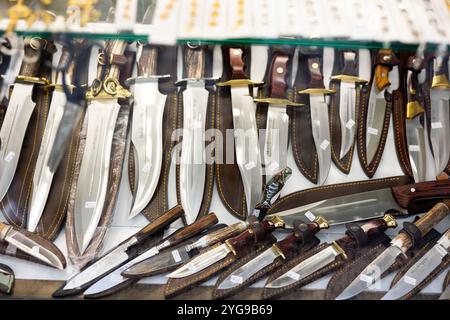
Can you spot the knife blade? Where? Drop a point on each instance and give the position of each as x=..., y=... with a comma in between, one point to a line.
x=6, y=279
x=368, y=205
x=231, y=246
x=319, y=117
x=248, y=156
x=114, y=258
x=33, y=245
x=399, y=245
x=421, y=269
x=278, y=250
x=337, y=249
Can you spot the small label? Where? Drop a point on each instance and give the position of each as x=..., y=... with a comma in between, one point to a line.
x=414, y=148
x=293, y=275
x=250, y=165
x=311, y=216
x=10, y=156
x=366, y=278
x=436, y=125
x=176, y=256
x=236, y=279
x=350, y=123
x=410, y=280
x=90, y=204
x=196, y=124
x=324, y=145
x=372, y=131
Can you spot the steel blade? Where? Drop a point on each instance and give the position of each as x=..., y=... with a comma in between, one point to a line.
x=415, y=137
x=43, y=176
x=321, y=134
x=372, y=273
x=375, y=122
x=192, y=164
x=241, y=275
x=306, y=267
x=440, y=128
x=12, y=133
x=146, y=139
x=94, y=171
x=201, y=262
x=248, y=155
x=347, y=115
x=276, y=141
x=446, y=294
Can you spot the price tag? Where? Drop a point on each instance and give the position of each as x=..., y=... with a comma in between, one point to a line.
x=372, y=131
x=366, y=278
x=311, y=216
x=436, y=125
x=350, y=123
x=293, y=275
x=10, y=156
x=250, y=165
x=414, y=148
x=324, y=145
x=236, y=279
x=90, y=204
x=410, y=280
x=176, y=256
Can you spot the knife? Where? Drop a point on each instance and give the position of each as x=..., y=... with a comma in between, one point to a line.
x=347, y=104
x=233, y=246
x=247, y=150
x=319, y=117
x=421, y=269
x=114, y=281
x=277, y=124
x=279, y=250
x=114, y=258
x=33, y=245
x=174, y=258
x=6, y=279
x=399, y=245
x=336, y=250
x=371, y=204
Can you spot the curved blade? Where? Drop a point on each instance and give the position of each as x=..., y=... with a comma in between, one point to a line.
x=372, y=273
x=440, y=127
x=347, y=115
x=146, y=139
x=43, y=176
x=375, y=122
x=12, y=133
x=415, y=136
x=192, y=165
x=94, y=172
x=240, y=275
x=247, y=145
x=321, y=134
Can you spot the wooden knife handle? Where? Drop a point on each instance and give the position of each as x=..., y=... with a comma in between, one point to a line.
x=4, y=228
x=195, y=228
x=301, y=235
x=194, y=62
x=382, y=76
x=315, y=72
x=278, y=76
x=146, y=65
x=405, y=195
x=224, y=233
x=236, y=56
x=159, y=223
x=350, y=67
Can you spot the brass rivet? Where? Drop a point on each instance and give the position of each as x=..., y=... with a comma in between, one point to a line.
x=315, y=65
x=387, y=58
x=237, y=52
x=280, y=70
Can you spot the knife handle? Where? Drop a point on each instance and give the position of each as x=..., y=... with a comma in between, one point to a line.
x=195, y=228
x=405, y=195
x=278, y=76
x=424, y=225
x=146, y=65
x=315, y=72
x=164, y=220
x=222, y=234
x=237, y=64
x=350, y=67
x=4, y=228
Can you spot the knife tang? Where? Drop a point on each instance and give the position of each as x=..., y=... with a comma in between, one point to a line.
x=407, y=194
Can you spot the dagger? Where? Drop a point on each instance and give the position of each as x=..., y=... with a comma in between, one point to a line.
x=231, y=247
x=33, y=245
x=279, y=250
x=248, y=155
x=114, y=281
x=371, y=204
x=319, y=117
x=336, y=250
x=6, y=279
x=399, y=245
x=347, y=110
x=114, y=258
x=421, y=269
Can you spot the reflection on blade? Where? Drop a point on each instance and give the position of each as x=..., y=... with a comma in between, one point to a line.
x=347, y=114
x=440, y=128
x=375, y=121
x=416, y=148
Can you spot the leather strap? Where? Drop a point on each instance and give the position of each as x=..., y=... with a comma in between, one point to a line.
x=355, y=231
x=413, y=232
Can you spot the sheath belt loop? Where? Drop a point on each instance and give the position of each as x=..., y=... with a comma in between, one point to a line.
x=301, y=231
x=413, y=232
x=357, y=233
x=256, y=226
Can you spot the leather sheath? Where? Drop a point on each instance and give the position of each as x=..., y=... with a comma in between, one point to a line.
x=371, y=167
x=175, y=286
x=344, y=276
x=308, y=196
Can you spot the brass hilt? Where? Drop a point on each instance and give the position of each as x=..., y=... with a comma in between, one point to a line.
x=390, y=221
x=321, y=222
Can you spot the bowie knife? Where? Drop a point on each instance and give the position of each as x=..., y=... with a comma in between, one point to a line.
x=319, y=117
x=278, y=251
x=33, y=245
x=370, y=204
x=248, y=155
x=347, y=104
x=277, y=125
x=440, y=114
x=116, y=257
x=421, y=269
x=336, y=250
x=234, y=247
x=399, y=245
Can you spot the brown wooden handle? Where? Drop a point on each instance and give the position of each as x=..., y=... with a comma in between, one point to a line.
x=33, y=55
x=4, y=228
x=405, y=195
x=225, y=233
x=255, y=232
x=315, y=71
x=146, y=65
x=195, y=228
x=194, y=62
x=278, y=76
x=159, y=223
x=350, y=67
x=442, y=67
x=236, y=56
x=300, y=236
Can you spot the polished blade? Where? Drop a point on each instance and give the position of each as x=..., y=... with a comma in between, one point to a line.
x=94, y=172
x=43, y=176
x=12, y=133
x=201, y=262
x=372, y=273
x=440, y=128
x=248, y=155
x=192, y=164
x=375, y=122
x=306, y=267
x=146, y=139
x=321, y=134
x=446, y=294
x=415, y=137
x=276, y=141
x=347, y=115
x=242, y=274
